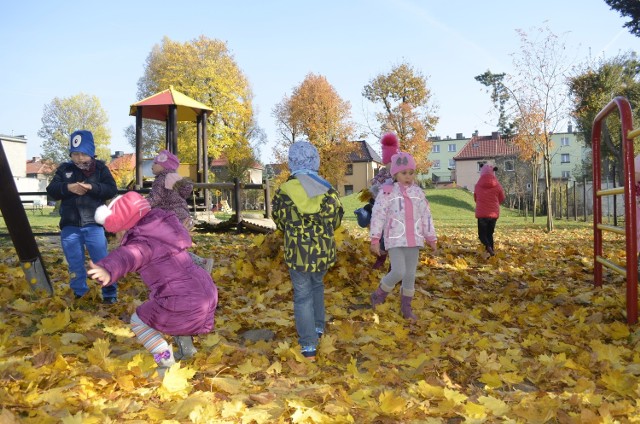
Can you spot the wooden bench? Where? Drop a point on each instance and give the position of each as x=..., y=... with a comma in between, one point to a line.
x=33, y=205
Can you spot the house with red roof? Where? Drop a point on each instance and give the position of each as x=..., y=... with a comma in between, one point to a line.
x=479, y=151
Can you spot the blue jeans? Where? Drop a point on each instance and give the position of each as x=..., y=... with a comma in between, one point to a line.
x=308, y=306
x=74, y=241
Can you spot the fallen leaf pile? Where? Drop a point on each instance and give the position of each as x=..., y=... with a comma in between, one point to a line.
x=522, y=337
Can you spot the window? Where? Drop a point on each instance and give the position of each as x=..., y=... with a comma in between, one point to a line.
x=349, y=169
x=566, y=174
x=480, y=165
x=564, y=141
x=508, y=165
x=435, y=148
x=436, y=164
x=564, y=158
x=452, y=164
x=348, y=189
x=452, y=148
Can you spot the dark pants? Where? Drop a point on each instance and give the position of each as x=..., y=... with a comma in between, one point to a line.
x=486, y=227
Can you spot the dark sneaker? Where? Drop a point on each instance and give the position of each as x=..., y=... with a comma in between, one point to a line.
x=110, y=300
x=310, y=355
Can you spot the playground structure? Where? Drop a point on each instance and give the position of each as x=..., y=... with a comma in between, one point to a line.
x=20, y=230
x=171, y=107
x=628, y=189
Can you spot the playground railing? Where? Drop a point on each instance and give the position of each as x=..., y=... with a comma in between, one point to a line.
x=628, y=190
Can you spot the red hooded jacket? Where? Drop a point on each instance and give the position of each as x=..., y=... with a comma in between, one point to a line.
x=488, y=194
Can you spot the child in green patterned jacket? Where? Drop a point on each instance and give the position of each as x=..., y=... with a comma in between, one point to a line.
x=307, y=209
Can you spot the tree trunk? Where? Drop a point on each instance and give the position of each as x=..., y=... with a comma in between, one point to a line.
x=547, y=182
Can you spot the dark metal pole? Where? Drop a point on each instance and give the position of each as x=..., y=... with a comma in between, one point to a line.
x=15, y=217
x=267, y=198
x=205, y=160
x=173, y=135
x=236, y=201
x=138, y=148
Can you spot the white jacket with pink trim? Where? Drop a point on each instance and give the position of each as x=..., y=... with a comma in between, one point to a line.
x=403, y=216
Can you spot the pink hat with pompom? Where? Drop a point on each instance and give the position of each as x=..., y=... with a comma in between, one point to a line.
x=389, y=143
x=123, y=212
x=402, y=161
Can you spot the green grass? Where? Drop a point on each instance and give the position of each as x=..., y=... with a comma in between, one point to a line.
x=455, y=208
x=451, y=208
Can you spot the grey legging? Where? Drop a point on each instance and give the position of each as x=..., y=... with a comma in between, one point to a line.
x=404, y=261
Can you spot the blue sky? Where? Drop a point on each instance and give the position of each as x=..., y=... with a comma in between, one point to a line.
x=60, y=49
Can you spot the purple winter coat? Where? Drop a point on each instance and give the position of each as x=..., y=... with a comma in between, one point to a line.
x=182, y=296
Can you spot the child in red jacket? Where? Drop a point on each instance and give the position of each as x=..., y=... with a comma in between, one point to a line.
x=488, y=194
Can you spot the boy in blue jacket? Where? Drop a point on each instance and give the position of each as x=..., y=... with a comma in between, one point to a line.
x=83, y=185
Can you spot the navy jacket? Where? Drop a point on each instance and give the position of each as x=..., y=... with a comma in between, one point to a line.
x=78, y=210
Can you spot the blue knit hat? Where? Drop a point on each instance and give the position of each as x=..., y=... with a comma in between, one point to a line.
x=82, y=141
x=303, y=156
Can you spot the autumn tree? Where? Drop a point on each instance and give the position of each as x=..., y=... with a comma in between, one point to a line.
x=315, y=111
x=628, y=8
x=206, y=71
x=537, y=100
x=404, y=99
x=65, y=115
x=592, y=88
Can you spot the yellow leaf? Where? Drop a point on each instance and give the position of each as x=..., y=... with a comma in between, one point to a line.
x=454, y=396
x=275, y=368
x=154, y=414
x=497, y=406
x=99, y=353
x=229, y=385
x=474, y=411
x=247, y=368
x=68, y=338
x=55, y=324
x=390, y=403
x=618, y=330
x=620, y=382
x=491, y=379
x=429, y=391
x=175, y=383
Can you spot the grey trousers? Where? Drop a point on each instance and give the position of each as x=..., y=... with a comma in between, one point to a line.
x=404, y=261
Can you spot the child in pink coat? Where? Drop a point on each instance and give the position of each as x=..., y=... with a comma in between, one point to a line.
x=402, y=213
x=182, y=296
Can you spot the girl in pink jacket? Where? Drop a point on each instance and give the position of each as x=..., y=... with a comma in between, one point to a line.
x=182, y=296
x=488, y=194
x=402, y=213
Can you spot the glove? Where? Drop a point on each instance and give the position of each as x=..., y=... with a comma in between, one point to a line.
x=171, y=179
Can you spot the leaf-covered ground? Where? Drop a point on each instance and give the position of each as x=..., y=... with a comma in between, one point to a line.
x=522, y=337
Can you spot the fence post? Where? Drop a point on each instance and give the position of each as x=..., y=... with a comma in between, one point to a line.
x=267, y=198
x=236, y=201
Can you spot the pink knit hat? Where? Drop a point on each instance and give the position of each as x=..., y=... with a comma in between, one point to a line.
x=167, y=160
x=389, y=143
x=123, y=212
x=402, y=161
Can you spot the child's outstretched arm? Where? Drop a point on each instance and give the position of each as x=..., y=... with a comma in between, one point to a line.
x=99, y=273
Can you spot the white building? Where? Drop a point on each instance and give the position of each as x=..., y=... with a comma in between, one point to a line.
x=15, y=148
